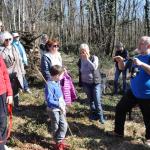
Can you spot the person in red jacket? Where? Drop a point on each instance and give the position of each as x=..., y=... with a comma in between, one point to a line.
x=5, y=98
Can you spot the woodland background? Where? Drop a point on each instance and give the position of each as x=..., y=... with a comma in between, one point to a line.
x=100, y=23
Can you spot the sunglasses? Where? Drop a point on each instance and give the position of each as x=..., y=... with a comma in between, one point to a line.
x=7, y=39
x=55, y=46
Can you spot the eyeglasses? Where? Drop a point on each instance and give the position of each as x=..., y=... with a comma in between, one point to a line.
x=55, y=46
x=7, y=39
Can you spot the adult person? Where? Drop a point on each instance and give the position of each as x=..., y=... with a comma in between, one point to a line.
x=120, y=58
x=1, y=26
x=17, y=44
x=50, y=58
x=91, y=81
x=1, y=30
x=14, y=65
x=139, y=93
x=44, y=40
x=5, y=98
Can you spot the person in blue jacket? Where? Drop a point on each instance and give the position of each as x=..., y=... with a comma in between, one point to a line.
x=139, y=93
x=56, y=106
x=17, y=44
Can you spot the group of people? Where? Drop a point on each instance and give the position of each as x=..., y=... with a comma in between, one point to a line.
x=56, y=93
x=12, y=61
x=139, y=91
x=59, y=89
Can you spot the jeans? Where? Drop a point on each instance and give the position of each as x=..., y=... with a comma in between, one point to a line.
x=117, y=74
x=25, y=83
x=3, y=120
x=127, y=102
x=93, y=92
x=59, y=125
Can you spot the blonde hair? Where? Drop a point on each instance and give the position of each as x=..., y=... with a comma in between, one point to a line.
x=84, y=46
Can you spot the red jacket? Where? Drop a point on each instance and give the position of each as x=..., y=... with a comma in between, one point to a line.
x=5, y=85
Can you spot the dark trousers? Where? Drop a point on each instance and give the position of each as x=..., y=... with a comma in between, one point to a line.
x=127, y=102
x=15, y=86
x=3, y=120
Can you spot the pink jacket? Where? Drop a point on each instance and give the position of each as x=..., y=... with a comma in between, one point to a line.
x=68, y=89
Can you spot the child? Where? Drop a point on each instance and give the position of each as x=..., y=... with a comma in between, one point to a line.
x=57, y=106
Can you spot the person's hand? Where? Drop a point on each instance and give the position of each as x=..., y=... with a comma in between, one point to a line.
x=63, y=110
x=137, y=62
x=118, y=58
x=9, y=99
x=85, y=55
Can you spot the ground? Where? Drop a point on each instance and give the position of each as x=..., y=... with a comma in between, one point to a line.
x=32, y=131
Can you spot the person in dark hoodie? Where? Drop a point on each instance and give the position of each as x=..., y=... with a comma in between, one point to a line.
x=120, y=58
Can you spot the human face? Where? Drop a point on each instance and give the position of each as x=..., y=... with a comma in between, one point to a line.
x=142, y=47
x=84, y=53
x=58, y=77
x=54, y=48
x=7, y=42
x=119, y=48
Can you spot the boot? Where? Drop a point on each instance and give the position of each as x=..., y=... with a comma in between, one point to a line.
x=59, y=146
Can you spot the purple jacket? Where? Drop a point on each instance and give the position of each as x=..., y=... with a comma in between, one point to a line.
x=68, y=89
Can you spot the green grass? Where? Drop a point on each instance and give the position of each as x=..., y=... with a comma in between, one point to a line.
x=32, y=130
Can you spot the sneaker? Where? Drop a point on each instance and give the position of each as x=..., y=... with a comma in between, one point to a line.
x=66, y=146
x=102, y=120
x=59, y=146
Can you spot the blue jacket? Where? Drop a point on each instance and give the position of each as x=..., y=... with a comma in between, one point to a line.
x=47, y=61
x=45, y=67
x=53, y=93
x=21, y=51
